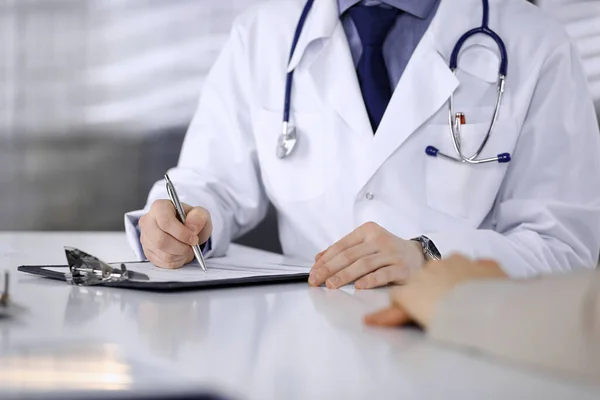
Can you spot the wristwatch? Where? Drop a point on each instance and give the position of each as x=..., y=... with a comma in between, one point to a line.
x=430, y=252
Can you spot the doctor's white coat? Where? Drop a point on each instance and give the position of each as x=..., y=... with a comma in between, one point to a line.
x=539, y=213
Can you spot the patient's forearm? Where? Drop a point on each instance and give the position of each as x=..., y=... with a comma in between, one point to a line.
x=551, y=322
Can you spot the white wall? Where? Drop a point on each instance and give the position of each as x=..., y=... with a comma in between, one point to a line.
x=95, y=96
x=133, y=66
x=117, y=66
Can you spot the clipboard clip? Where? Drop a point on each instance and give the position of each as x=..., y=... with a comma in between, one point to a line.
x=87, y=270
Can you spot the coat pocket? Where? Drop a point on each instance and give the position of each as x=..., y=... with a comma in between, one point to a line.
x=462, y=190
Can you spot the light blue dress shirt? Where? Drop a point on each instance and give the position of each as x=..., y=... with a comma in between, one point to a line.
x=404, y=36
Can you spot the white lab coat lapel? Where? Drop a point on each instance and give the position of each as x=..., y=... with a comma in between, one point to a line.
x=424, y=88
x=332, y=68
x=335, y=78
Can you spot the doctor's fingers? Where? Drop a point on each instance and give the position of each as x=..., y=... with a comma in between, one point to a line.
x=161, y=257
x=318, y=256
x=396, y=273
x=363, y=267
x=323, y=270
x=164, y=260
x=164, y=216
x=156, y=238
x=354, y=238
x=199, y=221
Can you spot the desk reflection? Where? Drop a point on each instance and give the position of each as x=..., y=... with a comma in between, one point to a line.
x=221, y=326
x=347, y=306
x=317, y=337
x=164, y=320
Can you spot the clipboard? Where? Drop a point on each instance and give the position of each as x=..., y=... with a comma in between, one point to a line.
x=86, y=270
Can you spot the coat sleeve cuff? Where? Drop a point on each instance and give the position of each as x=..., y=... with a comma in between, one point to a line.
x=516, y=260
x=206, y=247
x=132, y=232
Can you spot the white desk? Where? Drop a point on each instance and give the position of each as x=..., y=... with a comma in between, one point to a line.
x=270, y=342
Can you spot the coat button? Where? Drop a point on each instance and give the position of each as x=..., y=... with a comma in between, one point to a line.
x=369, y=196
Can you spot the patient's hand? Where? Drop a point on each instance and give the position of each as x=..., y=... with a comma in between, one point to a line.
x=418, y=299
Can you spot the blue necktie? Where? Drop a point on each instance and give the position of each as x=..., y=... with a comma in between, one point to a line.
x=373, y=25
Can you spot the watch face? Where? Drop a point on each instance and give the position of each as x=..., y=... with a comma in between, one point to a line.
x=431, y=250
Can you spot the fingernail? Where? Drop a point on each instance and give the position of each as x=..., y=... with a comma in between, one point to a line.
x=333, y=282
x=312, y=280
x=360, y=285
x=315, y=276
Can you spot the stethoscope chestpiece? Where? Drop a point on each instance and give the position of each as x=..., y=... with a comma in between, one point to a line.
x=287, y=141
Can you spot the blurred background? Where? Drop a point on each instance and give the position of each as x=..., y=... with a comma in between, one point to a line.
x=96, y=96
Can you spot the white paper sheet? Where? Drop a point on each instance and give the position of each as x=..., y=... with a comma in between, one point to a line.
x=217, y=269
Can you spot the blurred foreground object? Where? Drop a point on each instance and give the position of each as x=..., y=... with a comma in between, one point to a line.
x=4, y=293
x=7, y=307
x=87, y=371
x=550, y=322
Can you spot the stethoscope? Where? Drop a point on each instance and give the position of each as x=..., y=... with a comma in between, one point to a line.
x=289, y=137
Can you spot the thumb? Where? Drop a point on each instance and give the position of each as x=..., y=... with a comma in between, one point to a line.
x=198, y=221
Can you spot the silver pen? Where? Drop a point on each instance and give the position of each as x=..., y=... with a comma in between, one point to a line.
x=181, y=214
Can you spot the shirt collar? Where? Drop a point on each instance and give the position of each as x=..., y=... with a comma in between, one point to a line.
x=418, y=8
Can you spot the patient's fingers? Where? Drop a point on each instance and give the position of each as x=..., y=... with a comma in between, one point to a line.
x=388, y=317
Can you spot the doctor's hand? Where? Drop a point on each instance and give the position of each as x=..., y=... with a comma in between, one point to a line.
x=418, y=300
x=369, y=256
x=166, y=241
